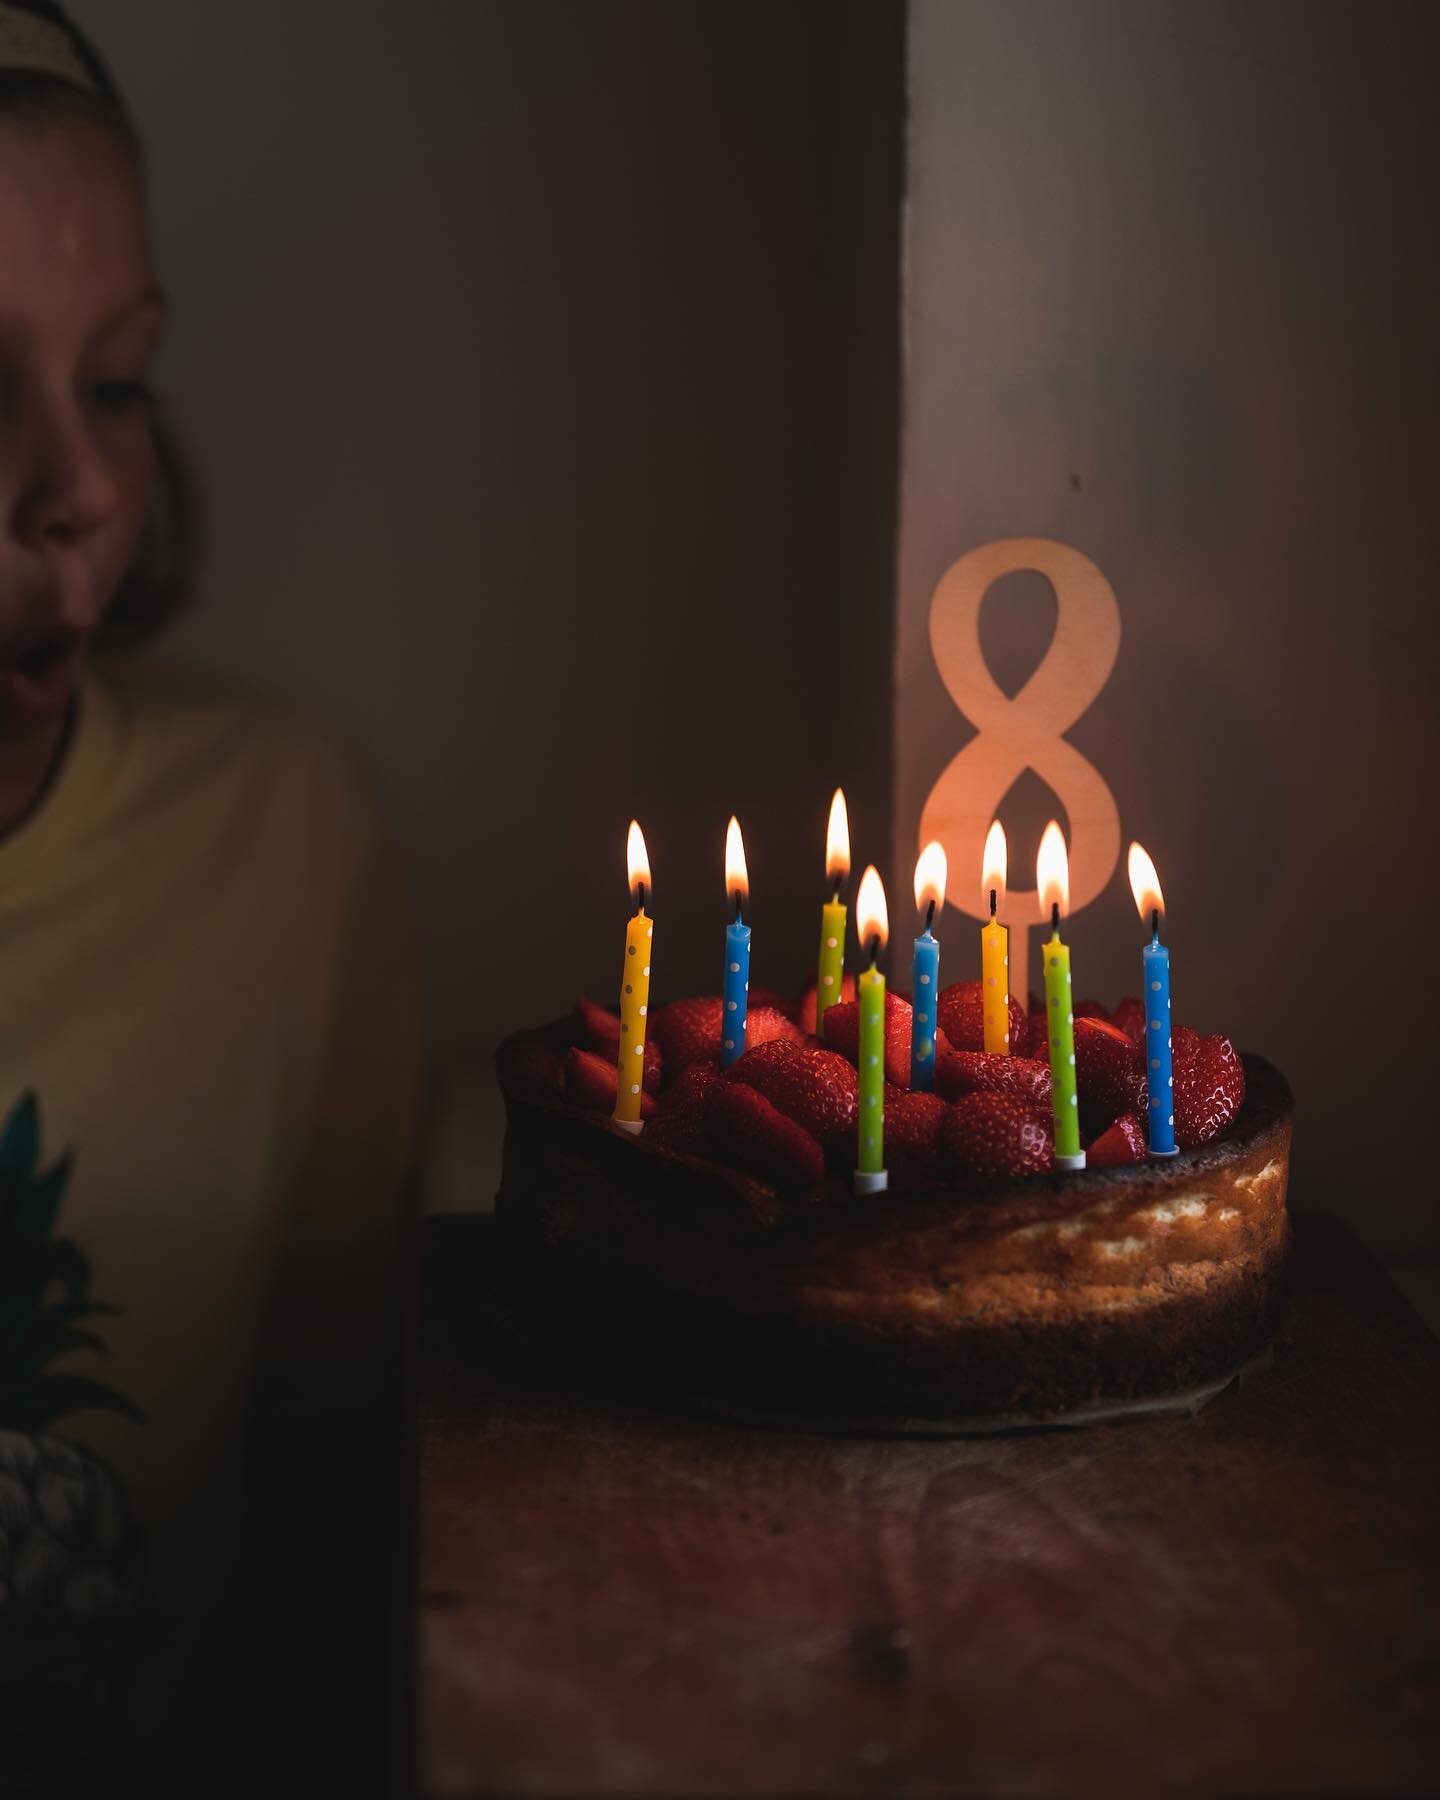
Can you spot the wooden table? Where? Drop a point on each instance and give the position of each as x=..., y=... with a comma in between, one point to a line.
x=616, y=1601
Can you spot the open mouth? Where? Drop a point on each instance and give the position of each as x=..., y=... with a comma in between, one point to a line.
x=43, y=659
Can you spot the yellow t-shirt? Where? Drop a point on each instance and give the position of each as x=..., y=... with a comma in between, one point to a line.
x=209, y=976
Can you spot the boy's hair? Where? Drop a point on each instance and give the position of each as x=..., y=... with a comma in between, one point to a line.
x=158, y=584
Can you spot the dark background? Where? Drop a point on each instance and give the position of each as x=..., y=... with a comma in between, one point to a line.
x=543, y=365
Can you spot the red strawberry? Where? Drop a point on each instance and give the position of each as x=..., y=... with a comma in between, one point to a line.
x=688, y=1031
x=601, y=1031
x=757, y=1137
x=1106, y=1063
x=996, y=1134
x=531, y=1062
x=1129, y=1015
x=590, y=1083
x=912, y=1137
x=815, y=1087
x=805, y=1013
x=1209, y=1086
x=842, y=1033
x=683, y=1121
x=972, y=1072
x=1092, y=1009
x=1039, y=1033
x=785, y=1004
x=962, y=1018
x=1123, y=1143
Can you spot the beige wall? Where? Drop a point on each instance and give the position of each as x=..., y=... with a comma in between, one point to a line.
x=1171, y=301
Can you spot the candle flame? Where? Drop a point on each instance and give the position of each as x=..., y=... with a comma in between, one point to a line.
x=837, y=840
x=1145, y=884
x=1052, y=872
x=995, y=864
x=638, y=860
x=872, y=917
x=931, y=871
x=737, y=876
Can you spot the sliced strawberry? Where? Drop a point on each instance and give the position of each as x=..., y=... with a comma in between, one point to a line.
x=590, y=1083
x=817, y=1088
x=1209, y=1086
x=842, y=1033
x=1105, y=1068
x=912, y=1137
x=995, y=1134
x=1129, y=1016
x=688, y=1031
x=683, y=1121
x=805, y=1010
x=962, y=1018
x=1123, y=1143
x=747, y=1131
x=973, y=1072
x=601, y=1032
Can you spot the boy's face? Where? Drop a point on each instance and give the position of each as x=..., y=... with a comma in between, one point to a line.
x=81, y=318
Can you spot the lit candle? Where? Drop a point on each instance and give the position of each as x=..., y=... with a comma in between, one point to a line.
x=736, y=987
x=634, y=988
x=873, y=923
x=1052, y=880
x=995, y=946
x=930, y=873
x=831, y=968
x=1145, y=885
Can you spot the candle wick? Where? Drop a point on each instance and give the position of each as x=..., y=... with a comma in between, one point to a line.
x=739, y=902
x=1155, y=925
x=929, y=915
x=639, y=897
x=992, y=905
x=1055, y=919
x=874, y=950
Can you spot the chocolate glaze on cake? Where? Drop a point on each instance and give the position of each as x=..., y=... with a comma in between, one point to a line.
x=931, y=1303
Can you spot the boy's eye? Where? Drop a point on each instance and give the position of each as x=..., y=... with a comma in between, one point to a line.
x=124, y=396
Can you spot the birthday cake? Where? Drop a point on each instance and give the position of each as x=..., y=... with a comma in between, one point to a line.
x=722, y=1254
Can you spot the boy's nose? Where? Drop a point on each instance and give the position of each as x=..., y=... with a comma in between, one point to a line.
x=68, y=490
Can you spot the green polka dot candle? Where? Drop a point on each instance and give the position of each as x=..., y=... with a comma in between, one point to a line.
x=830, y=967
x=1052, y=881
x=873, y=924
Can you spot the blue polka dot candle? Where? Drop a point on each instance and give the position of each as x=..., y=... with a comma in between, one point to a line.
x=930, y=875
x=1155, y=961
x=634, y=988
x=872, y=921
x=1052, y=882
x=735, y=989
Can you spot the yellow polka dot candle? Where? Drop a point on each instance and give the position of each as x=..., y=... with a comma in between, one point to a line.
x=995, y=946
x=634, y=988
x=873, y=923
x=1052, y=882
x=830, y=967
x=931, y=871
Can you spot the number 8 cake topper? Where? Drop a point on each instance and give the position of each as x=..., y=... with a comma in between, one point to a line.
x=1027, y=731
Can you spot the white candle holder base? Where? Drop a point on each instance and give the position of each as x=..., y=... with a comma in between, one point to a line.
x=633, y=1126
x=1150, y=1152
x=871, y=1184
x=1069, y=1163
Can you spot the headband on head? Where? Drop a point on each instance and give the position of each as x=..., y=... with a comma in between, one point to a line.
x=42, y=42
